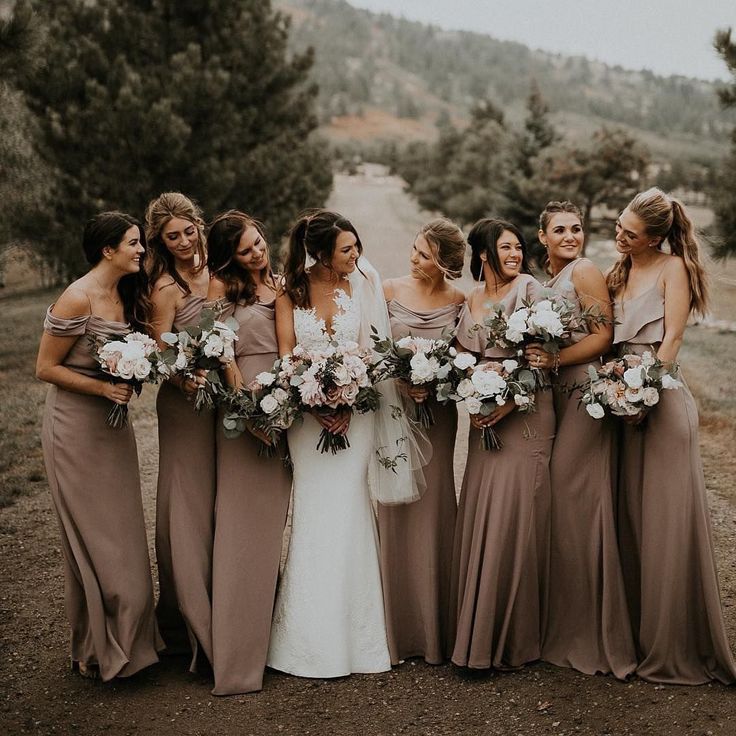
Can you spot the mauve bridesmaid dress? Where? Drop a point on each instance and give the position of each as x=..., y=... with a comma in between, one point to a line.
x=185, y=503
x=500, y=560
x=417, y=538
x=664, y=525
x=95, y=487
x=250, y=516
x=588, y=625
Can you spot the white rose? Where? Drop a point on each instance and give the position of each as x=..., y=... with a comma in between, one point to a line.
x=463, y=361
x=126, y=368
x=634, y=394
x=181, y=360
x=521, y=400
x=669, y=382
x=473, y=405
x=342, y=375
x=452, y=352
x=443, y=371
x=269, y=404
x=595, y=410
x=543, y=305
x=650, y=396
x=510, y=365
x=133, y=350
x=405, y=342
x=488, y=383
x=513, y=335
x=280, y=395
x=142, y=369
x=213, y=346
x=265, y=378
x=465, y=388
x=633, y=377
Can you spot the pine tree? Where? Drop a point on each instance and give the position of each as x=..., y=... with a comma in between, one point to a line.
x=199, y=96
x=725, y=192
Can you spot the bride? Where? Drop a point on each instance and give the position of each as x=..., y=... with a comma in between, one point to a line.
x=329, y=620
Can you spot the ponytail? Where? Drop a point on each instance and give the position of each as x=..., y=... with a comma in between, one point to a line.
x=296, y=284
x=683, y=243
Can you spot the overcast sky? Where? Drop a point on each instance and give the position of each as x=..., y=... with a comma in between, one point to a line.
x=665, y=36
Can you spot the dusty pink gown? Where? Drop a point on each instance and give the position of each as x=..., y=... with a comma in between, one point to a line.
x=417, y=538
x=664, y=525
x=95, y=487
x=250, y=515
x=185, y=513
x=588, y=625
x=500, y=560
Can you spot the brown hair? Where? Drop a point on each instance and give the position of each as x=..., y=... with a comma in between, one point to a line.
x=666, y=218
x=314, y=234
x=223, y=239
x=448, y=246
x=160, y=261
x=545, y=217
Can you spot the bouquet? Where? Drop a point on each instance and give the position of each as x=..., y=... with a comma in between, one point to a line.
x=208, y=345
x=627, y=386
x=268, y=403
x=484, y=387
x=134, y=359
x=331, y=379
x=549, y=321
x=417, y=361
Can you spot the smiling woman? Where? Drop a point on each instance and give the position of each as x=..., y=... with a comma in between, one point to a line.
x=92, y=469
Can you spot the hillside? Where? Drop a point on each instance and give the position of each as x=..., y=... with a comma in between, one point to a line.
x=382, y=76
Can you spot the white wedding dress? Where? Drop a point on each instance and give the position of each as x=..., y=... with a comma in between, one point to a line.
x=329, y=619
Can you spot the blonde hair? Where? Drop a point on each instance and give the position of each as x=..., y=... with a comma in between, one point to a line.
x=159, y=212
x=448, y=245
x=665, y=217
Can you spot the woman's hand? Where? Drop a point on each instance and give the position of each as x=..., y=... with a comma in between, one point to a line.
x=538, y=357
x=118, y=393
x=191, y=384
x=418, y=394
x=479, y=421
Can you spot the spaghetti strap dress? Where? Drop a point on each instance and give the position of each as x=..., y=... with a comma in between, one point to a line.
x=95, y=488
x=664, y=525
x=588, y=625
x=250, y=515
x=417, y=538
x=500, y=559
x=185, y=503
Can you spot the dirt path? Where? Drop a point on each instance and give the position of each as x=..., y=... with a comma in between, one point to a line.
x=38, y=695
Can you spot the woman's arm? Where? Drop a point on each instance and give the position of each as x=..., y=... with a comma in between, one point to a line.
x=53, y=350
x=676, y=308
x=284, y=313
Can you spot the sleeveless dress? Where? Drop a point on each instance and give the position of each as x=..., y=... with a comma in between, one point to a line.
x=500, y=559
x=185, y=501
x=417, y=538
x=664, y=525
x=329, y=618
x=250, y=514
x=95, y=488
x=588, y=625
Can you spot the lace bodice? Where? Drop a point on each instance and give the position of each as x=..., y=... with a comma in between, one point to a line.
x=311, y=331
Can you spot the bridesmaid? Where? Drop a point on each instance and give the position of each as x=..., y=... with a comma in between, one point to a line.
x=252, y=492
x=664, y=525
x=186, y=477
x=499, y=566
x=92, y=468
x=588, y=624
x=416, y=539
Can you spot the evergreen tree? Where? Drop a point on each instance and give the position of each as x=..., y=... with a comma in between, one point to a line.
x=199, y=96
x=725, y=192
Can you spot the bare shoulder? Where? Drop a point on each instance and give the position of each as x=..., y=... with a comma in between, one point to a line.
x=165, y=290
x=389, y=289
x=216, y=289
x=586, y=272
x=74, y=302
x=674, y=267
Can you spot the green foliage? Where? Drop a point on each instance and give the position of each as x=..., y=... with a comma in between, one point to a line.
x=725, y=190
x=26, y=182
x=145, y=96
